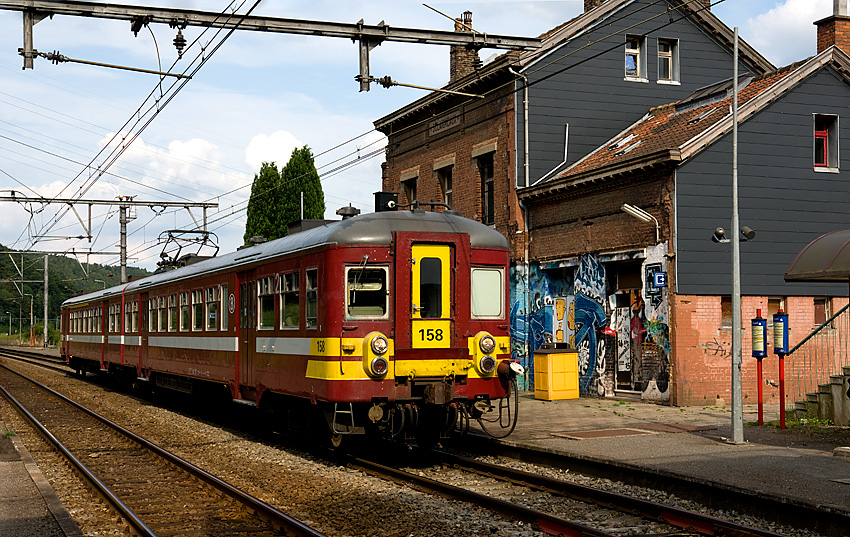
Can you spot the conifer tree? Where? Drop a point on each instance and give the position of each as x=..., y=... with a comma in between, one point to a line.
x=300, y=175
x=262, y=206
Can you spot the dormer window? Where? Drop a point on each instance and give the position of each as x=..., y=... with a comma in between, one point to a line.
x=826, y=143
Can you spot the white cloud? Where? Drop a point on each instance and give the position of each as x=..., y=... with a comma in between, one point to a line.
x=785, y=33
x=275, y=147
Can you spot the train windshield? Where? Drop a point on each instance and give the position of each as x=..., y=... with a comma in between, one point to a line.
x=366, y=292
x=487, y=294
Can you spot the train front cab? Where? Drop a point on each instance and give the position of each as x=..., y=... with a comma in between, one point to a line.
x=447, y=336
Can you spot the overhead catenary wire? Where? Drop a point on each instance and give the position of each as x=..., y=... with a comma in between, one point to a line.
x=154, y=110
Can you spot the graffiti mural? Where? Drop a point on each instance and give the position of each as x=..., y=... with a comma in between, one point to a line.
x=622, y=339
x=589, y=318
x=656, y=360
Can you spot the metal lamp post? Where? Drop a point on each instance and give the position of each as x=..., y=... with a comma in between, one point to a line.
x=10, y=322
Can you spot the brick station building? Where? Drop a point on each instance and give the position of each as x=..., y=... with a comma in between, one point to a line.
x=646, y=303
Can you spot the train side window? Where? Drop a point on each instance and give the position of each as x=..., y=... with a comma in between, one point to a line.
x=134, y=318
x=197, y=310
x=366, y=292
x=290, y=314
x=212, y=307
x=152, y=315
x=312, y=298
x=431, y=287
x=172, y=313
x=487, y=293
x=224, y=310
x=265, y=303
x=184, y=311
x=163, y=314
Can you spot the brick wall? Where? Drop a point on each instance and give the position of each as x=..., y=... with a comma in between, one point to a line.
x=592, y=221
x=456, y=134
x=701, y=358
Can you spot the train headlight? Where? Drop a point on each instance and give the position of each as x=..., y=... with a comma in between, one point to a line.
x=379, y=346
x=487, y=364
x=487, y=344
x=379, y=366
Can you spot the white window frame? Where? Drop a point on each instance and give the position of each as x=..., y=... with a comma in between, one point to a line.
x=833, y=164
x=673, y=57
x=501, y=271
x=640, y=58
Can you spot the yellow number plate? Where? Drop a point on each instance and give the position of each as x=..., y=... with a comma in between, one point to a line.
x=431, y=334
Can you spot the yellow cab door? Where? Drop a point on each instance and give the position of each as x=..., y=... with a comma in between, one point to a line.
x=431, y=290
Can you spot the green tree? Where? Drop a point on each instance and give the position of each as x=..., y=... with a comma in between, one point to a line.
x=300, y=175
x=262, y=206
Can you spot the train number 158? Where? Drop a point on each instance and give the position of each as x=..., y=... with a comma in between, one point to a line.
x=431, y=334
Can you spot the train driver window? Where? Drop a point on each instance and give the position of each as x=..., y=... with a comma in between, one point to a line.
x=290, y=314
x=265, y=303
x=431, y=287
x=197, y=310
x=312, y=298
x=485, y=302
x=366, y=292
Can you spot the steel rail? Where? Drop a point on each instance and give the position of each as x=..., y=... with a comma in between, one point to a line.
x=265, y=511
x=41, y=361
x=704, y=524
x=824, y=519
x=546, y=523
x=130, y=518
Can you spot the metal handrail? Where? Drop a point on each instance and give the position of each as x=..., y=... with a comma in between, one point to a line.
x=818, y=329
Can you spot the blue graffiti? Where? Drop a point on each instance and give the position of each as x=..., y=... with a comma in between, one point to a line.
x=590, y=317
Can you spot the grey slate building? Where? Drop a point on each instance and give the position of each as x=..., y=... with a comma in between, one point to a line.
x=593, y=77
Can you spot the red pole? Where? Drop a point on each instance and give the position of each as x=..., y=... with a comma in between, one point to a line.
x=761, y=395
x=781, y=391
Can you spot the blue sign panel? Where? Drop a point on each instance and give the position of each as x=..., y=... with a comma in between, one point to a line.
x=659, y=279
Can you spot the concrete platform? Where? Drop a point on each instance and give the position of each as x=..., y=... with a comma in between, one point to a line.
x=798, y=464
x=29, y=506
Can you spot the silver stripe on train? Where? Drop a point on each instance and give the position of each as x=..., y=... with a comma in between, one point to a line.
x=284, y=345
x=229, y=344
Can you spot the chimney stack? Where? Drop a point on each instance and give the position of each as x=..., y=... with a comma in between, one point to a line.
x=590, y=4
x=835, y=30
x=462, y=60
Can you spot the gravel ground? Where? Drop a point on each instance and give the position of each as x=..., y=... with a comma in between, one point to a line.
x=333, y=499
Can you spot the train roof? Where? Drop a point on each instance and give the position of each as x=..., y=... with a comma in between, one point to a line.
x=368, y=229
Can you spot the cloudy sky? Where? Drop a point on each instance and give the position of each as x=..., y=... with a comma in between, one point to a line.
x=257, y=97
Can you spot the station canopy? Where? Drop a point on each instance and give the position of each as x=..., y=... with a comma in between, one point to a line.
x=825, y=259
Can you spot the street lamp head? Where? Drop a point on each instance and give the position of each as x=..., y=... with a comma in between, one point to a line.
x=748, y=233
x=636, y=212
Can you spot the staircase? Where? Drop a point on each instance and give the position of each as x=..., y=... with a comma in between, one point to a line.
x=830, y=402
x=817, y=357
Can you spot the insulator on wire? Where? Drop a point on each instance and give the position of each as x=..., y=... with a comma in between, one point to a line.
x=179, y=43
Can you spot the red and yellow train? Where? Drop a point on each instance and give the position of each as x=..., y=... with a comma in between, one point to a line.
x=392, y=323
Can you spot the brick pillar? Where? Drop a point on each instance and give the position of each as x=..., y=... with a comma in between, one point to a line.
x=835, y=30
x=462, y=60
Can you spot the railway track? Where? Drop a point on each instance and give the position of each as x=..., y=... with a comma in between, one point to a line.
x=154, y=492
x=36, y=358
x=555, y=507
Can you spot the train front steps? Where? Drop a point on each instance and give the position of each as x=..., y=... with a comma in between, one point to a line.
x=831, y=401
